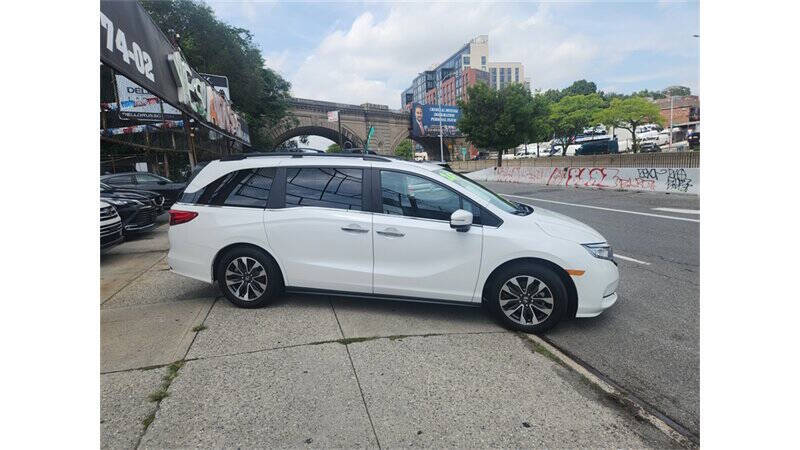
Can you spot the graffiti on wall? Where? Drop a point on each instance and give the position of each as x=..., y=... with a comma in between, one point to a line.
x=639, y=179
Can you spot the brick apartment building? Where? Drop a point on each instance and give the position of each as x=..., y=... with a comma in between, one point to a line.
x=685, y=110
x=455, y=88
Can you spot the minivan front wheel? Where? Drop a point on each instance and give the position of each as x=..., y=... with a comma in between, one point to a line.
x=247, y=277
x=527, y=297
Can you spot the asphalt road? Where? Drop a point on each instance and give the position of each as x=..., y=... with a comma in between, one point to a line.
x=648, y=343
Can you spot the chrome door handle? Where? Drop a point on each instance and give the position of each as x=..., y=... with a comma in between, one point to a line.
x=354, y=229
x=391, y=232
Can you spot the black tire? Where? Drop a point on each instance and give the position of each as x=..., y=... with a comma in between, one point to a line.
x=260, y=298
x=519, y=272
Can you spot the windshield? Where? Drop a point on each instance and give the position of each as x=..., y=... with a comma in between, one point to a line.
x=480, y=191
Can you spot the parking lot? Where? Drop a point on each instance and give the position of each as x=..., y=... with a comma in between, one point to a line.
x=182, y=367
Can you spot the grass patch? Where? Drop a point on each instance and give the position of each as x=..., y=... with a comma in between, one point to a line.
x=158, y=395
x=148, y=420
x=163, y=391
x=541, y=349
x=200, y=327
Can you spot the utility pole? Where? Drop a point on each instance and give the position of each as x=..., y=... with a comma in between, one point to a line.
x=339, y=119
x=189, y=141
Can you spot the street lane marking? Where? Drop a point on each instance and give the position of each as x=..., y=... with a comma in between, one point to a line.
x=628, y=258
x=678, y=210
x=660, y=216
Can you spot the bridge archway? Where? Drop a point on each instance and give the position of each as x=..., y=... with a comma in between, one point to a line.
x=349, y=138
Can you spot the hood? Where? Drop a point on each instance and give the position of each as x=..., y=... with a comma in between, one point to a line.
x=140, y=192
x=560, y=226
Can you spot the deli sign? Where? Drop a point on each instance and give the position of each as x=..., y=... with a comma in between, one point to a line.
x=135, y=47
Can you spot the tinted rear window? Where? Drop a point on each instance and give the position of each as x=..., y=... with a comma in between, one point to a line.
x=327, y=187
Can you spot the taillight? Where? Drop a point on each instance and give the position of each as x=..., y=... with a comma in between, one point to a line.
x=178, y=217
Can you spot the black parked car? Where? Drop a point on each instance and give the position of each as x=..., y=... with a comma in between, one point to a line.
x=146, y=181
x=137, y=212
x=152, y=198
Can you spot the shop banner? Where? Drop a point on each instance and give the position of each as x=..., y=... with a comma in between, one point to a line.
x=132, y=44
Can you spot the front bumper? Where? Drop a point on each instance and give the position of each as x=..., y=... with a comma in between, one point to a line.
x=111, y=235
x=139, y=219
x=597, y=288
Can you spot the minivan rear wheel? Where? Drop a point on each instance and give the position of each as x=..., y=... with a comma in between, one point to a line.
x=248, y=277
x=527, y=297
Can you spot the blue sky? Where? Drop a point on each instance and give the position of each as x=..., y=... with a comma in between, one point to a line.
x=356, y=52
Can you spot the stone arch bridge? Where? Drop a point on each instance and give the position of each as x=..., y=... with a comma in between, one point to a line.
x=310, y=117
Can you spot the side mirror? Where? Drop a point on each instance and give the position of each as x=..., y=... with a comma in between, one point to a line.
x=461, y=220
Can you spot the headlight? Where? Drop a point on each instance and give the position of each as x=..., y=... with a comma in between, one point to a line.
x=125, y=202
x=600, y=250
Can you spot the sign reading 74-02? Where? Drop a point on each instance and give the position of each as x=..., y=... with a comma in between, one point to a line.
x=140, y=58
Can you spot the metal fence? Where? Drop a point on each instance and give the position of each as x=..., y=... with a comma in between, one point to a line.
x=666, y=160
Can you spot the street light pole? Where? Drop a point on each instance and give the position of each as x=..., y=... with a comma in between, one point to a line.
x=671, y=105
x=439, y=104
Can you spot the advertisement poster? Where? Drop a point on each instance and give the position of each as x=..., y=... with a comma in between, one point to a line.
x=425, y=120
x=137, y=103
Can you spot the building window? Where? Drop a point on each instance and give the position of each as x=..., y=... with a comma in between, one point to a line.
x=516, y=74
x=483, y=60
x=466, y=60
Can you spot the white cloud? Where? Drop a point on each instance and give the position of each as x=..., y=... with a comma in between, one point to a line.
x=374, y=58
x=277, y=61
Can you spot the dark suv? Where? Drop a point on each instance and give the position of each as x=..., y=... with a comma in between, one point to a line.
x=148, y=182
x=598, y=147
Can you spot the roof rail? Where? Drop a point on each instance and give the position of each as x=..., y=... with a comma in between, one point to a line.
x=365, y=157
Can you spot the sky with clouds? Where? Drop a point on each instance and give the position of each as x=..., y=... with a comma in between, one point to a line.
x=357, y=52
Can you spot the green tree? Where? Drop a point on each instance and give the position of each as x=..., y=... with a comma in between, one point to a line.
x=629, y=113
x=650, y=94
x=212, y=46
x=497, y=119
x=580, y=87
x=678, y=91
x=291, y=143
x=571, y=115
x=334, y=148
x=540, y=128
x=404, y=150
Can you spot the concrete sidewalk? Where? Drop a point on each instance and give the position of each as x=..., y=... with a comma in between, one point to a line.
x=318, y=371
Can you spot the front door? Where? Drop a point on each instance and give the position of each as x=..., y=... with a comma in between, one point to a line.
x=417, y=254
x=323, y=235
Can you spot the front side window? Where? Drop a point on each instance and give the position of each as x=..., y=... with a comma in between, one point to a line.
x=147, y=178
x=478, y=190
x=326, y=187
x=244, y=188
x=408, y=195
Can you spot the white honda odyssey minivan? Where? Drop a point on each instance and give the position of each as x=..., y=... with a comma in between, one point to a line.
x=376, y=227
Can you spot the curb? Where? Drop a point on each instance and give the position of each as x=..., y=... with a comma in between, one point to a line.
x=678, y=437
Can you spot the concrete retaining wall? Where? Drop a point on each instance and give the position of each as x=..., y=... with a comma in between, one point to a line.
x=634, y=179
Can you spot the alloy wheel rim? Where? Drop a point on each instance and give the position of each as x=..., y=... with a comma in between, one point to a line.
x=526, y=300
x=246, y=278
